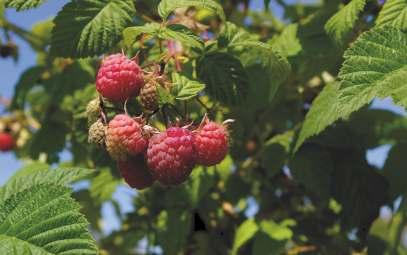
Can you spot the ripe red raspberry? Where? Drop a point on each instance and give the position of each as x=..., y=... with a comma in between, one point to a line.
x=124, y=135
x=119, y=78
x=170, y=155
x=6, y=142
x=136, y=142
x=135, y=172
x=211, y=143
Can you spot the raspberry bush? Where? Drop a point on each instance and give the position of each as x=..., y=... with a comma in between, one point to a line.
x=235, y=130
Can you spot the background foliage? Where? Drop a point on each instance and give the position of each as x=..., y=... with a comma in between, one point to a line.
x=299, y=88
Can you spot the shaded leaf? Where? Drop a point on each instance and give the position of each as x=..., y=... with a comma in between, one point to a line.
x=224, y=76
x=312, y=166
x=27, y=81
x=394, y=170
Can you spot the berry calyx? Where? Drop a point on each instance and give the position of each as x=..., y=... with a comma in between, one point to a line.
x=6, y=142
x=119, y=78
x=210, y=143
x=170, y=155
x=135, y=172
x=97, y=133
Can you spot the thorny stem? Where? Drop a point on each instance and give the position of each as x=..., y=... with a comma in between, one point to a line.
x=114, y=109
x=160, y=43
x=147, y=18
x=165, y=115
x=102, y=110
x=176, y=111
x=151, y=115
x=208, y=110
x=186, y=117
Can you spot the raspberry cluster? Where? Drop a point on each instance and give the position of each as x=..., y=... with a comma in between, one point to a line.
x=143, y=153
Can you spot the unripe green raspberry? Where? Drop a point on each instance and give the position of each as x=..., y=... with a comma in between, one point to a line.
x=97, y=133
x=93, y=110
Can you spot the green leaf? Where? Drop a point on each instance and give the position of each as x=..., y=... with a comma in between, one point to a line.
x=201, y=181
x=393, y=13
x=166, y=7
x=38, y=216
x=266, y=70
x=175, y=32
x=375, y=66
x=164, y=96
x=27, y=80
x=359, y=188
x=183, y=35
x=224, y=76
x=2, y=9
x=60, y=177
x=184, y=88
x=322, y=113
x=43, y=220
x=28, y=169
x=22, y=5
x=231, y=34
x=277, y=231
x=264, y=244
x=276, y=151
x=90, y=27
x=244, y=233
x=103, y=186
x=130, y=34
x=341, y=24
x=386, y=235
x=365, y=129
x=287, y=43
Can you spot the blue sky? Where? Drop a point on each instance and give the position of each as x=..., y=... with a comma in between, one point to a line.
x=10, y=72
